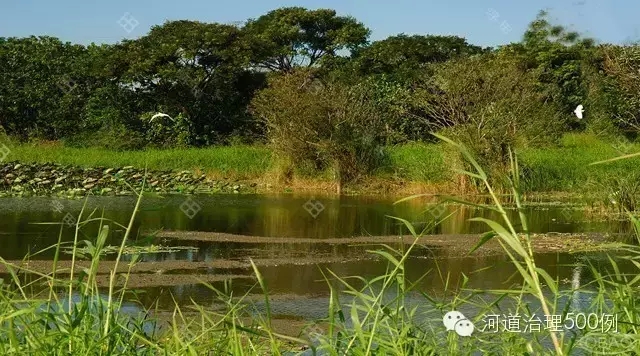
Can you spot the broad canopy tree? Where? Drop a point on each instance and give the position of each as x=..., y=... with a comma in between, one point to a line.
x=196, y=69
x=402, y=57
x=291, y=37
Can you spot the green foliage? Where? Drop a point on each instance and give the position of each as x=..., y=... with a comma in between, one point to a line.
x=418, y=162
x=393, y=102
x=209, y=73
x=403, y=57
x=44, y=85
x=165, y=132
x=624, y=191
x=491, y=105
x=621, y=86
x=291, y=37
x=196, y=69
x=239, y=162
x=566, y=168
x=110, y=121
x=402, y=64
x=558, y=57
x=328, y=125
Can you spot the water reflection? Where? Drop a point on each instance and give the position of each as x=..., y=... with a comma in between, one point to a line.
x=437, y=276
x=295, y=279
x=575, y=285
x=258, y=215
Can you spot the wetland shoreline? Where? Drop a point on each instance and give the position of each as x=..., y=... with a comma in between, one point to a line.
x=48, y=179
x=51, y=179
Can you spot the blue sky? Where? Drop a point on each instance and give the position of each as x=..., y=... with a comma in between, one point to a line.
x=86, y=21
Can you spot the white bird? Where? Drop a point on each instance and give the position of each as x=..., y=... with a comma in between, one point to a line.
x=578, y=111
x=160, y=115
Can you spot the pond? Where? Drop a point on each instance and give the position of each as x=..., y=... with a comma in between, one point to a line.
x=293, y=268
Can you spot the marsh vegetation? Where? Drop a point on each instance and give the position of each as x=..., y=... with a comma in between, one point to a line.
x=301, y=100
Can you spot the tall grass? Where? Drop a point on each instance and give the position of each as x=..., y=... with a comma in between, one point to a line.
x=378, y=316
x=567, y=168
x=231, y=161
x=420, y=162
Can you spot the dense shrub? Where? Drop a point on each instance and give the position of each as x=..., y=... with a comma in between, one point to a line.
x=490, y=104
x=622, y=69
x=324, y=125
x=165, y=132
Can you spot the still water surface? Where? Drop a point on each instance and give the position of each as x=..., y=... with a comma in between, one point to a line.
x=299, y=285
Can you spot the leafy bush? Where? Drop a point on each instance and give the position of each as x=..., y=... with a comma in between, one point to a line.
x=490, y=104
x=324, y=125
x=621, y=67
x=165, y=132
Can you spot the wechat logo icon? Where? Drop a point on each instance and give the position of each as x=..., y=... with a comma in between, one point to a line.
x=454, y=320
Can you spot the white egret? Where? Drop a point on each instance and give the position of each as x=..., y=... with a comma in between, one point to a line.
x=160, y=115
x=578, y=111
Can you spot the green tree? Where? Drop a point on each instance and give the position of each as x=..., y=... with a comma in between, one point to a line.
x=291, y=37
x=491, y=104
x=617, y=93
x=399, y=66
x=403, y=58
x=45, y=85
x=195, y=69
x=323, y=125
x=559, y=57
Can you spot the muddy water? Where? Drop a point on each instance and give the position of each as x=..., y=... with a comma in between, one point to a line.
x=292, y=270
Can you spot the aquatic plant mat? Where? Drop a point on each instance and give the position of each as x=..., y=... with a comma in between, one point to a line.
x=454, y=243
